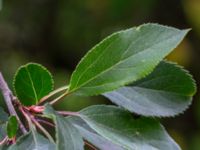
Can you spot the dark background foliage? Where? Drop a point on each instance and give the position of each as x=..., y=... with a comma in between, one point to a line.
x=57, y=33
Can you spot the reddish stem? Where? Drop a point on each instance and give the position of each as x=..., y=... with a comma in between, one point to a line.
x=68, y=113
x=36, y=109
x=45, y=122
x=30, y=118
x=4, y=140
x=42, y=129
x=13, y=140
x=40, y=109
x=90, y=145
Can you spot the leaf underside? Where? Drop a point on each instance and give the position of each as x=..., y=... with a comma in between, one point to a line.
x=3, y=131
x=92, y=137
x=3, y=116
x=167, y=91
x=32, y=141
x=67, y=136
x=119, y=126
x=124, y=57
x=3, y=120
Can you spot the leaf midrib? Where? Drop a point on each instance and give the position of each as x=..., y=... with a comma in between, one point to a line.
x=128, y=46
x=34, y=138
x=170, y=37
x=33, y=87
x=92, y=123
x=121, y=59
x=68, y=129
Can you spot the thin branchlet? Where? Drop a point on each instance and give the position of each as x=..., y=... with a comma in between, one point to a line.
x=9, y=98
x=64, y=88
x=31, y=119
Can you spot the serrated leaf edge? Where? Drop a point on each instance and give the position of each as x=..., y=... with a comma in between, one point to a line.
x=187, y=73
x=26, y=65
x=144, y=75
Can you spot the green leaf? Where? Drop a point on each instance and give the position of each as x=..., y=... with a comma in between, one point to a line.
x=120, y=127
x=32, y=82
x=124, y=57
x=93, y=137
x=4, y=147
x=33, y=141
x=167, y=91
x=3, y=120
x=67, y=136
x=3, y=133
x=12, y=126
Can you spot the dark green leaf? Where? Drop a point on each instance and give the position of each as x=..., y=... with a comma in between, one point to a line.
x=12, y=126
x=33, y=141
x=93, y=137
x=124, y=57
x=3, y=133
x=167, y=91
x=3, y=116
x=119, y=126
x=3, y=119
x=31, y=83
x=67, y=136
x=4, y=147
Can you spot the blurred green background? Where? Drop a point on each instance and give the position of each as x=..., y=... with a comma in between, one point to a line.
x=57, y=33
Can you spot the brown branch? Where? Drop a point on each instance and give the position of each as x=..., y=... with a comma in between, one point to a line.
x=8, y=98
x=90, y=145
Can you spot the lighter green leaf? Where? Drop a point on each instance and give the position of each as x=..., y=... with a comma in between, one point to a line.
x=167, y=91
x=119, y=126
x=67, y=136
x=3, y=116
x=3, y=120
x=33, y=141
x=93, y=137
x=3, y=133
x=124, y=57
x=32, y=82
x=12, y=126
x=4, y=147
